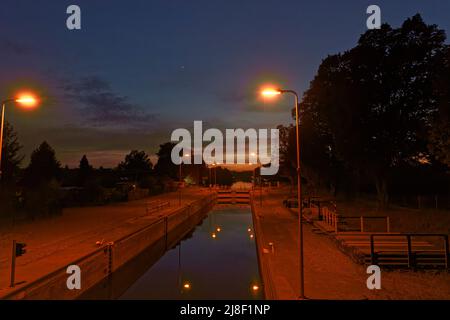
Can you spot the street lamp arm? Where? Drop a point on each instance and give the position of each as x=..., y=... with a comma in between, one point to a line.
x=290, y=91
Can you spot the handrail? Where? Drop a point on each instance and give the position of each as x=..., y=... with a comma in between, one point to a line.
x=331, y=218
x=364, y=218
x=411, y=262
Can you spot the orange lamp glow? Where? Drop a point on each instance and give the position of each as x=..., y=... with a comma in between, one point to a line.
x=187, y=285
x=218, y=229
x=270, y=93
x=27, y=100
x=255, y=287
x=213, y=236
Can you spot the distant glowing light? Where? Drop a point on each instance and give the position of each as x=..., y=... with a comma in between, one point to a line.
x=249, y=230
x=213, y=235
x=270, y=92
x=27, y=100
x=255, y=287
x=218, y=229
x=251, y=236
x=187, y=285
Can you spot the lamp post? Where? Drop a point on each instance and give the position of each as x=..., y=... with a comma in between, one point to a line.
x=25, y=100
x=179, y=183
x=209, y=180
x=215, y=174
x=273, y=93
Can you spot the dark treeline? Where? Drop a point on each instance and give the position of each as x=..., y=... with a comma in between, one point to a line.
x=375, y=119
x=44, y=187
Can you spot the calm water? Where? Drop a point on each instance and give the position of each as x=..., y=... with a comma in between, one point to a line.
x=218, y=261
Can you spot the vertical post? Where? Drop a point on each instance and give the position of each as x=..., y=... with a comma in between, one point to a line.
x=372, y=250
x=362, y=223
x=1, y=137
x=319, y=211
x=388, y=224
x=447, y=252
x=336, y=222
x=13, y=263
x=260, y=188
x=410, y=262
x=166, y=231
x=254, y=179
x=179, y=186
x=299, y=197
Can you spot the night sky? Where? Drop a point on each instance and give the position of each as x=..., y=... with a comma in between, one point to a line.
x=139, y=69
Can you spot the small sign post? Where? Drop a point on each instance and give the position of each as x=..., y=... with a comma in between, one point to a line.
x=13, y=263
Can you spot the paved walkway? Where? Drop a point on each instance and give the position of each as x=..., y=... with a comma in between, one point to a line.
x=52, y=243
x=329, y=273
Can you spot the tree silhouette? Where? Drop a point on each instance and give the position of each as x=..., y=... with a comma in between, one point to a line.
x=165, y=166
x=11, y=158
x=85, y=170
x=377, y=101
x=43, y=166
x=439, y=142
x=136, y=165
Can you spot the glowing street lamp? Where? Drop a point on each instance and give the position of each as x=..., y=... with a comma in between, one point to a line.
x=270, y=93
x=26, y=100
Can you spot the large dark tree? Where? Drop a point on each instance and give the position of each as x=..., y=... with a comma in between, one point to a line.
x=377, y=100
x=165, y=166
x=11, y=158
x=136, y=165
x=43, y=166
x=439, y=142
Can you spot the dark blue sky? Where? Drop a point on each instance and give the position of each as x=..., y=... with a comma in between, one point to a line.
x=139, y=69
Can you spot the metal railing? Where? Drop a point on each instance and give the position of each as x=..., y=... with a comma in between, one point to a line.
x=411, y=259
x=364, y=219
x=331, y=218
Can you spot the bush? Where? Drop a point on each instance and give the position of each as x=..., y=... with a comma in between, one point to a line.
x=43, y=201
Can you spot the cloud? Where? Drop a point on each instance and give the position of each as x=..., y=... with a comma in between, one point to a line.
x=103, y=107
x=14, y=47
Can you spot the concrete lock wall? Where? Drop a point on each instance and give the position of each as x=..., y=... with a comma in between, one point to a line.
x=102, y=262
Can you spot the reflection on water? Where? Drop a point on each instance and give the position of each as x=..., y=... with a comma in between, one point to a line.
x=219, y=261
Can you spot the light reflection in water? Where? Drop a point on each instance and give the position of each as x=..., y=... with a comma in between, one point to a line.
x=222, y=267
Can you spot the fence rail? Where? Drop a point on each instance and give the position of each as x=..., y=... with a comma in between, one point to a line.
x=364, y=219
x=412, y=262
x=331, y=218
